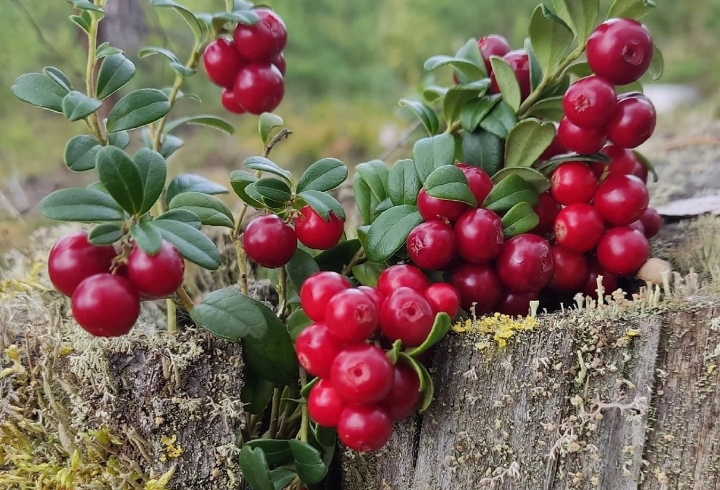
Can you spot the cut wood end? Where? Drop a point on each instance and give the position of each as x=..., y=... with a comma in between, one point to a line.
x=654, y=270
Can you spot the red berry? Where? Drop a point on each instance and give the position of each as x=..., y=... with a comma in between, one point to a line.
x=620, y=51
x=478, y=285
x=318, y=289
x=431, y=245
x=377, y=297
x=401, y=275
x=516, y=304
x=579, y=227
x=547, y=210
x=492, y=45
x=622, y=162
x=621, y=199
x=73, y=259
x=407, y=316
x=230, y=103
x=279, y=61
x=590, y=102
x=633, y=122
x=443, y=298
x=269, y=241
x=325, y=404
x=637, y=225
x=316, y=348
x=641, y=172
x=520, y=64
x=525, y=263
x=478, y=180
x=573, y=182
x=571, y=270
x=432, y=208
x=159, y=275
x=651, y=221
x=365, y=428
x=581, y=140
x=622, y=251
x=263, y=41
x=222, y=62
x=106, y=305
x=351, y=316
x=362, y=374
x=259, y=88
x=405, y=393
x=479, y=235
x=609, y=282
x=315, y=232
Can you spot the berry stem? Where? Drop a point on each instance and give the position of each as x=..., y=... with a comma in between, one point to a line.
x=274, y=414
x=357, y=258
x=282, y=294
x=92, y=120
x=283, y=134
x=171, y=316
x=185, y=299
x=305, y=423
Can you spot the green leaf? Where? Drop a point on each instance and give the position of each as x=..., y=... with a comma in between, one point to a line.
x=536, y=73
x=339, y=256
x=527, y=141
x=121, y=177
x=153, y=50
x=209, y=121
x=105, y=50
x=138, y=109
x=57, y=76
x=500, y=120
x=268, y=121
x=508, y=192
x=323, y=175
x=363, y=201
x=255, y=470
x=470, y=51
x=39, y=90
x=440, y=328
x=630, y=9
x=80, y=153
x=426, y=115
x=469, y=68
x=86, y=5
x=105, y=234
x=519, y=219
x=282, y=477
x=507, y=82
x=211, y=210
x=432, y=153
x=300, y=267
x=182, y=215
x=549, y=109
x=277, y=451
x=325, y=440
x=646, y=163
x=308, y=462
x=193, y=183
x=323, y=204
x=403, y=183
x=80, y=22
x=389, y=232
x=231, y=315
x=147, y=237
x=273, y=354
x=449, y=182
x=264, y=165
x=256, y=392
x=297, y=322
x=116, y=71
x=273, y=189
x=263, y=203
x=426, y=383
x=153, y=173
x=170, y=145
x=579, y=15
x=78, y=106
x=460, y=95
x=483, y=149
x=197, y=27
x=190, y=242
x=432, y=93
x=120, y=140
x=78, y=204
x=475, y=111
x=550, y=39
x=657, y=65
x=368, y=273
x=549, y=166
x=245, y=17
x=532, y=176
x=376, y=174
x=240, y=180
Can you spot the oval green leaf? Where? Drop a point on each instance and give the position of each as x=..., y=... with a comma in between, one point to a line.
x=255, y=470
x=432, y=153
x=268, y=121
x=190, y=242
x=508, y=192
x=148, y=238
x=425, y=115
x=193, y=183
x=79, y=204
x=80, y=153
x=121, y=177
x=449, y=183
x=323, y=175
x=440, y=328
x=138, y=109
x=116, y=71
x=264, y=165
x=211, y=210
x=277, y=451
x=550, y=39
x=323, y=204
x=153, y=173
x=527, y=141
x=535, y=178
x=403, y=183
x=507, y=82
x=484, y=150
x=308, y=462
x=105, y=234
x=500, y=120
x=390, y=230
x=271, y=189
x=39, y=90
x=206, y=120
x=519, y=219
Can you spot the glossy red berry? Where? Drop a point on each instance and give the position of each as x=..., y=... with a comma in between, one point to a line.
x=479, y=287
x=621, y=199
x=407, y=316
x=516, y=304
x=351, y=316
x=620, y=51
x=315, y=232
x=73, y=259
x=325, y=404
x=590, y=102
x=316, y=348
x=159, y=275
x=520, y=64
x=222, y=62
x=637, y=225
x=264, y=40
x=492, y=45
x=633, y=122
x=651, y=221
x=431, y=245
x=609, y=282
x=525, y=263
x=259, y=87
x=573, y=182
x=279, y=61
x=401, y=275
x=478, y=180
x=571, y=270
x=622, y=162
x=622, y=251
x=443, y=298
x=432, y=208
x=318, y=289
x=641, y=171
x=581, y=140
x=377, y=297
x=579, y=227
x=362, y=374
x=230, y=103
x=106, y=305
x=547, y=210
x=405, y=393
x=365, y=428
x=269, y=241
x=479, y=235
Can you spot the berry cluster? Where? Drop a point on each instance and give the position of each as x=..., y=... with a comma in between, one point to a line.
x=251, y=66
x=106, y=290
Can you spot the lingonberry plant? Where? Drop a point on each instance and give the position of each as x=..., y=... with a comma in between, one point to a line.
x=527, y=186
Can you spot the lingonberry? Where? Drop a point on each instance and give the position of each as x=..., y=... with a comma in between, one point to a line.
x=478, y=180
x=579, y=227
x=325, y=404
x=433, y=208
x=520, y=64
x=641, y=171
x=633, y=122
x=479, y=235
x=573, y=182
x=351, y=316
x=222, y=62
x=315, y=232
x=620, y=51
x=318, y=289
x=259, y=87
x=590, y=102
x=405, y=393
x=362, y=374
x=279, y=61
x=571, y=270
x=431, y=245
x=443, y=298
x=230, y=103
x=407, y=316
x=652, y=222
x=316, y=348
x=156, y=276
x=608, y=282
x=516, y=304
x=622, y=162
x=622, y=251
x=73, y=259
x=401, y=275
x=262, y=41
x=621, y=199
x=106, y=305
x=377, y=297
x=365, y=428
x=479, y=287
x=637, y=225
x=581, y=140
x=547, y=210
x=492, y=45
x=269, y=241
x=525, y=263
